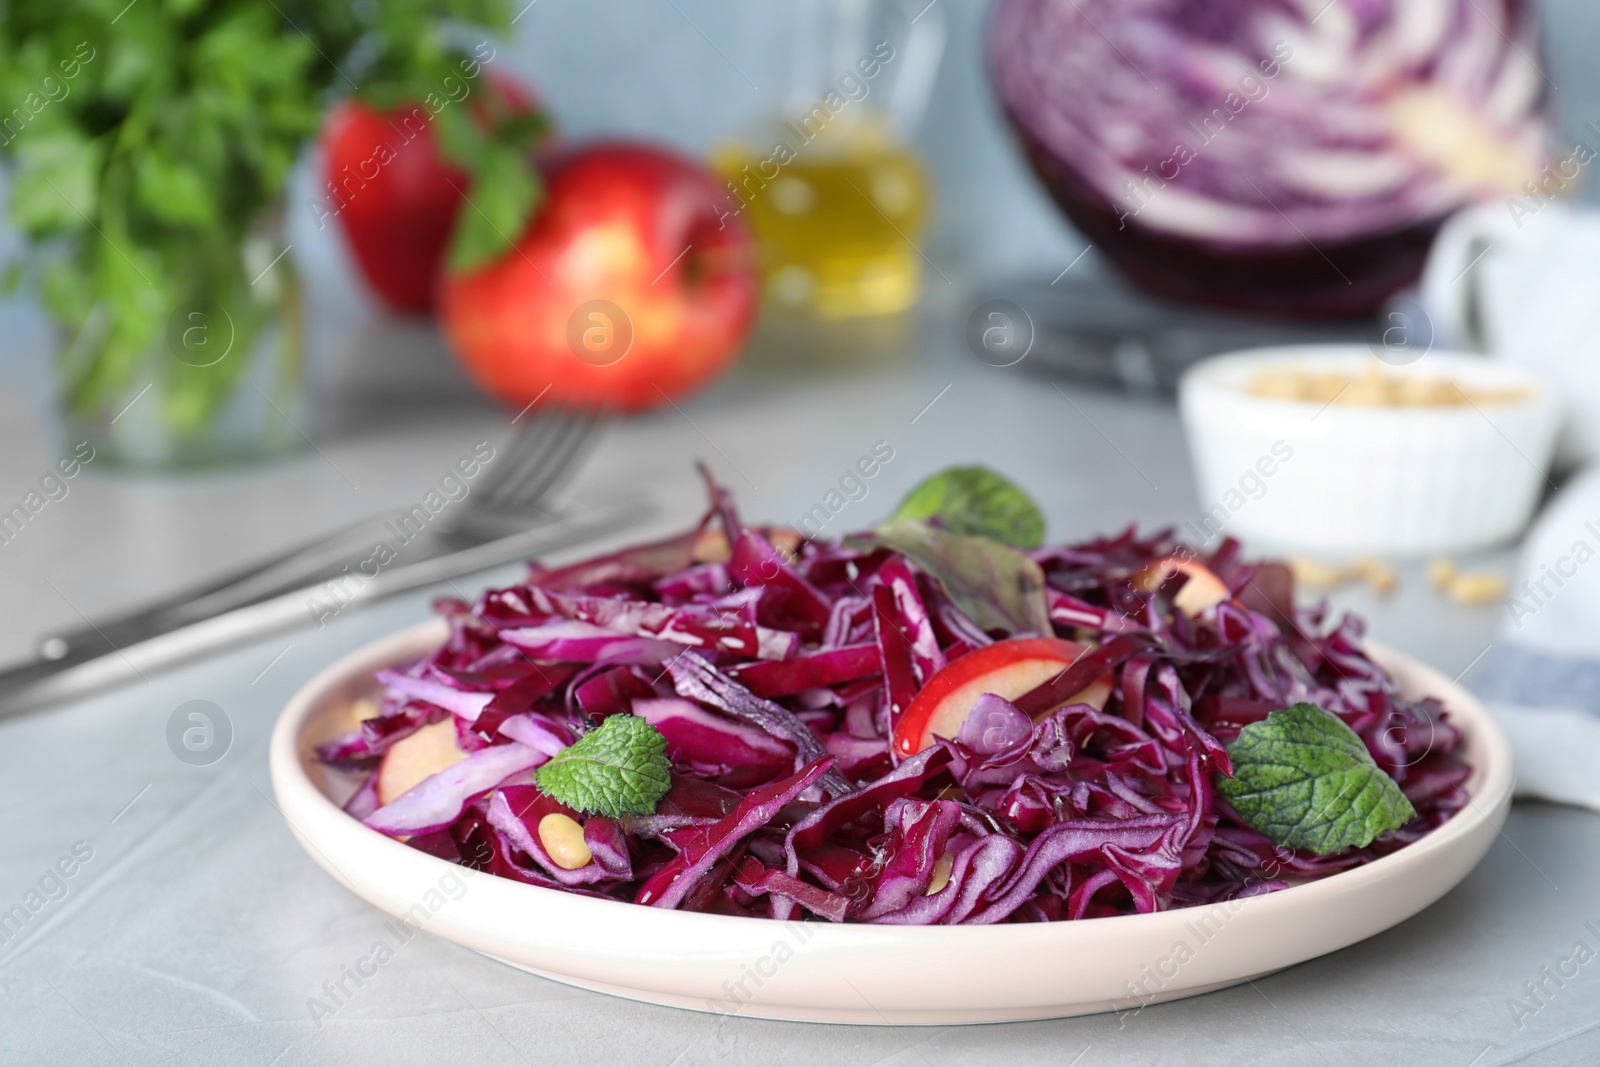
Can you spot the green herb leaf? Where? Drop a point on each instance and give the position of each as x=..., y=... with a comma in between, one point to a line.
x=1303, y=778
x=144, y=155
x=504, y=192
x=975, y=501
x=172, y=191
x=620, y=768
x=994, y=584
x=55, y=188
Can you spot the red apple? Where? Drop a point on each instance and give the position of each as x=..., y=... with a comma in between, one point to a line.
x=1202, y=591
x=416, y=757
x=395, y=196
x=632, y=285
x=1006, y=668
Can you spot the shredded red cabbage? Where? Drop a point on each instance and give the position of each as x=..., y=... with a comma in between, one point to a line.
x=776, y=677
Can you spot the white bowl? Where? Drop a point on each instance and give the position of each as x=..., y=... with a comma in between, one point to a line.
x=857, y=973
x=1345, y=479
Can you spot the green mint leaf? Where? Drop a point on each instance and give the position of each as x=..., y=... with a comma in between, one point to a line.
x=996, y=586
x=619, y=768
x=975, y=501
x=1303, y=778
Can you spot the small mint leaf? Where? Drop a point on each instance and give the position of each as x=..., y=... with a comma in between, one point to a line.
x=1305, y=780
x=619, y=768
x=975, y=501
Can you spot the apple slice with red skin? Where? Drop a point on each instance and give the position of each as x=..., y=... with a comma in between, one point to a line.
x=1007, y=669
x=1202, y=592
x=417, y=756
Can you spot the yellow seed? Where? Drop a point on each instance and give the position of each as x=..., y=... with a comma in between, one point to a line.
x=941, y=874
x=562, y=837
x=1377, y=573
x=1440, y=571
x=1483, y=587
x=363, y=709
x=1314, y=574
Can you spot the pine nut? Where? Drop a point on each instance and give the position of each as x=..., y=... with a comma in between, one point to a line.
x=941, y=874
x=1483, y=587
x=1377, y=573
x=562, y=837
x=1314, y=574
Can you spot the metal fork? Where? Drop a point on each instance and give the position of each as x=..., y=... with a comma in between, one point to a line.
x=502, y=518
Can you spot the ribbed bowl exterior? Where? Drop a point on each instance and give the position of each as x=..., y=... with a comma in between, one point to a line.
x=1404, y=481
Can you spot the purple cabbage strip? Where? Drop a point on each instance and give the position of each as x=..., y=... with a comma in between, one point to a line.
x=756, y=563
x=438, y=800
x=895, y=653
x=707, y=630
x=897, y=576
x=586, y=643
x=700, y=848
x=696, y=679
x=364, y=801
x=734, y=753
x=538, y=734
x=817, y=827
x=922, y=829
x=458, y=702
x=819, y=670
x=975, y=870
x=994, y=725
x=756, y=879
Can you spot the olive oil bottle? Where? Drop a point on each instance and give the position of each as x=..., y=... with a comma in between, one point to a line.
x=836, y=226
x=829, y=184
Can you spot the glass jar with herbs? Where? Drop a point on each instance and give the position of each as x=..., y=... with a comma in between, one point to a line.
x=149, y=147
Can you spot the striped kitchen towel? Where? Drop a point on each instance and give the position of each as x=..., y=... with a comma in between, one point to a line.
x=1542, y=679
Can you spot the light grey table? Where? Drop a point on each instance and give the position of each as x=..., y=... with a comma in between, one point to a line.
x=196, y=931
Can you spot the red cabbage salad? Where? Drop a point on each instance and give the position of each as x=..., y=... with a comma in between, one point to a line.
x=936, y=721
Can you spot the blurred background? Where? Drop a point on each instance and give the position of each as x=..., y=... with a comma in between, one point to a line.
x=875, y=203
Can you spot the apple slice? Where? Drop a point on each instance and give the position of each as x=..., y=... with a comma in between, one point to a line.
x=420, y=755
x=1006, y=668
x=1203, y=591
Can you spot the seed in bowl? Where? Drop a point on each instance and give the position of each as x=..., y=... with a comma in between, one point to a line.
x=1375, y=388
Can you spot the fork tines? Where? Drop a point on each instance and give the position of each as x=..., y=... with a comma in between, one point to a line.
x=528, y=467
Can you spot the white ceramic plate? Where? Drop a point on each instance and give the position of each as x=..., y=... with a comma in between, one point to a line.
x=858, y=973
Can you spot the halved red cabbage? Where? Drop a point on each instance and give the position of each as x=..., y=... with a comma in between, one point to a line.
x=1288, y=157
